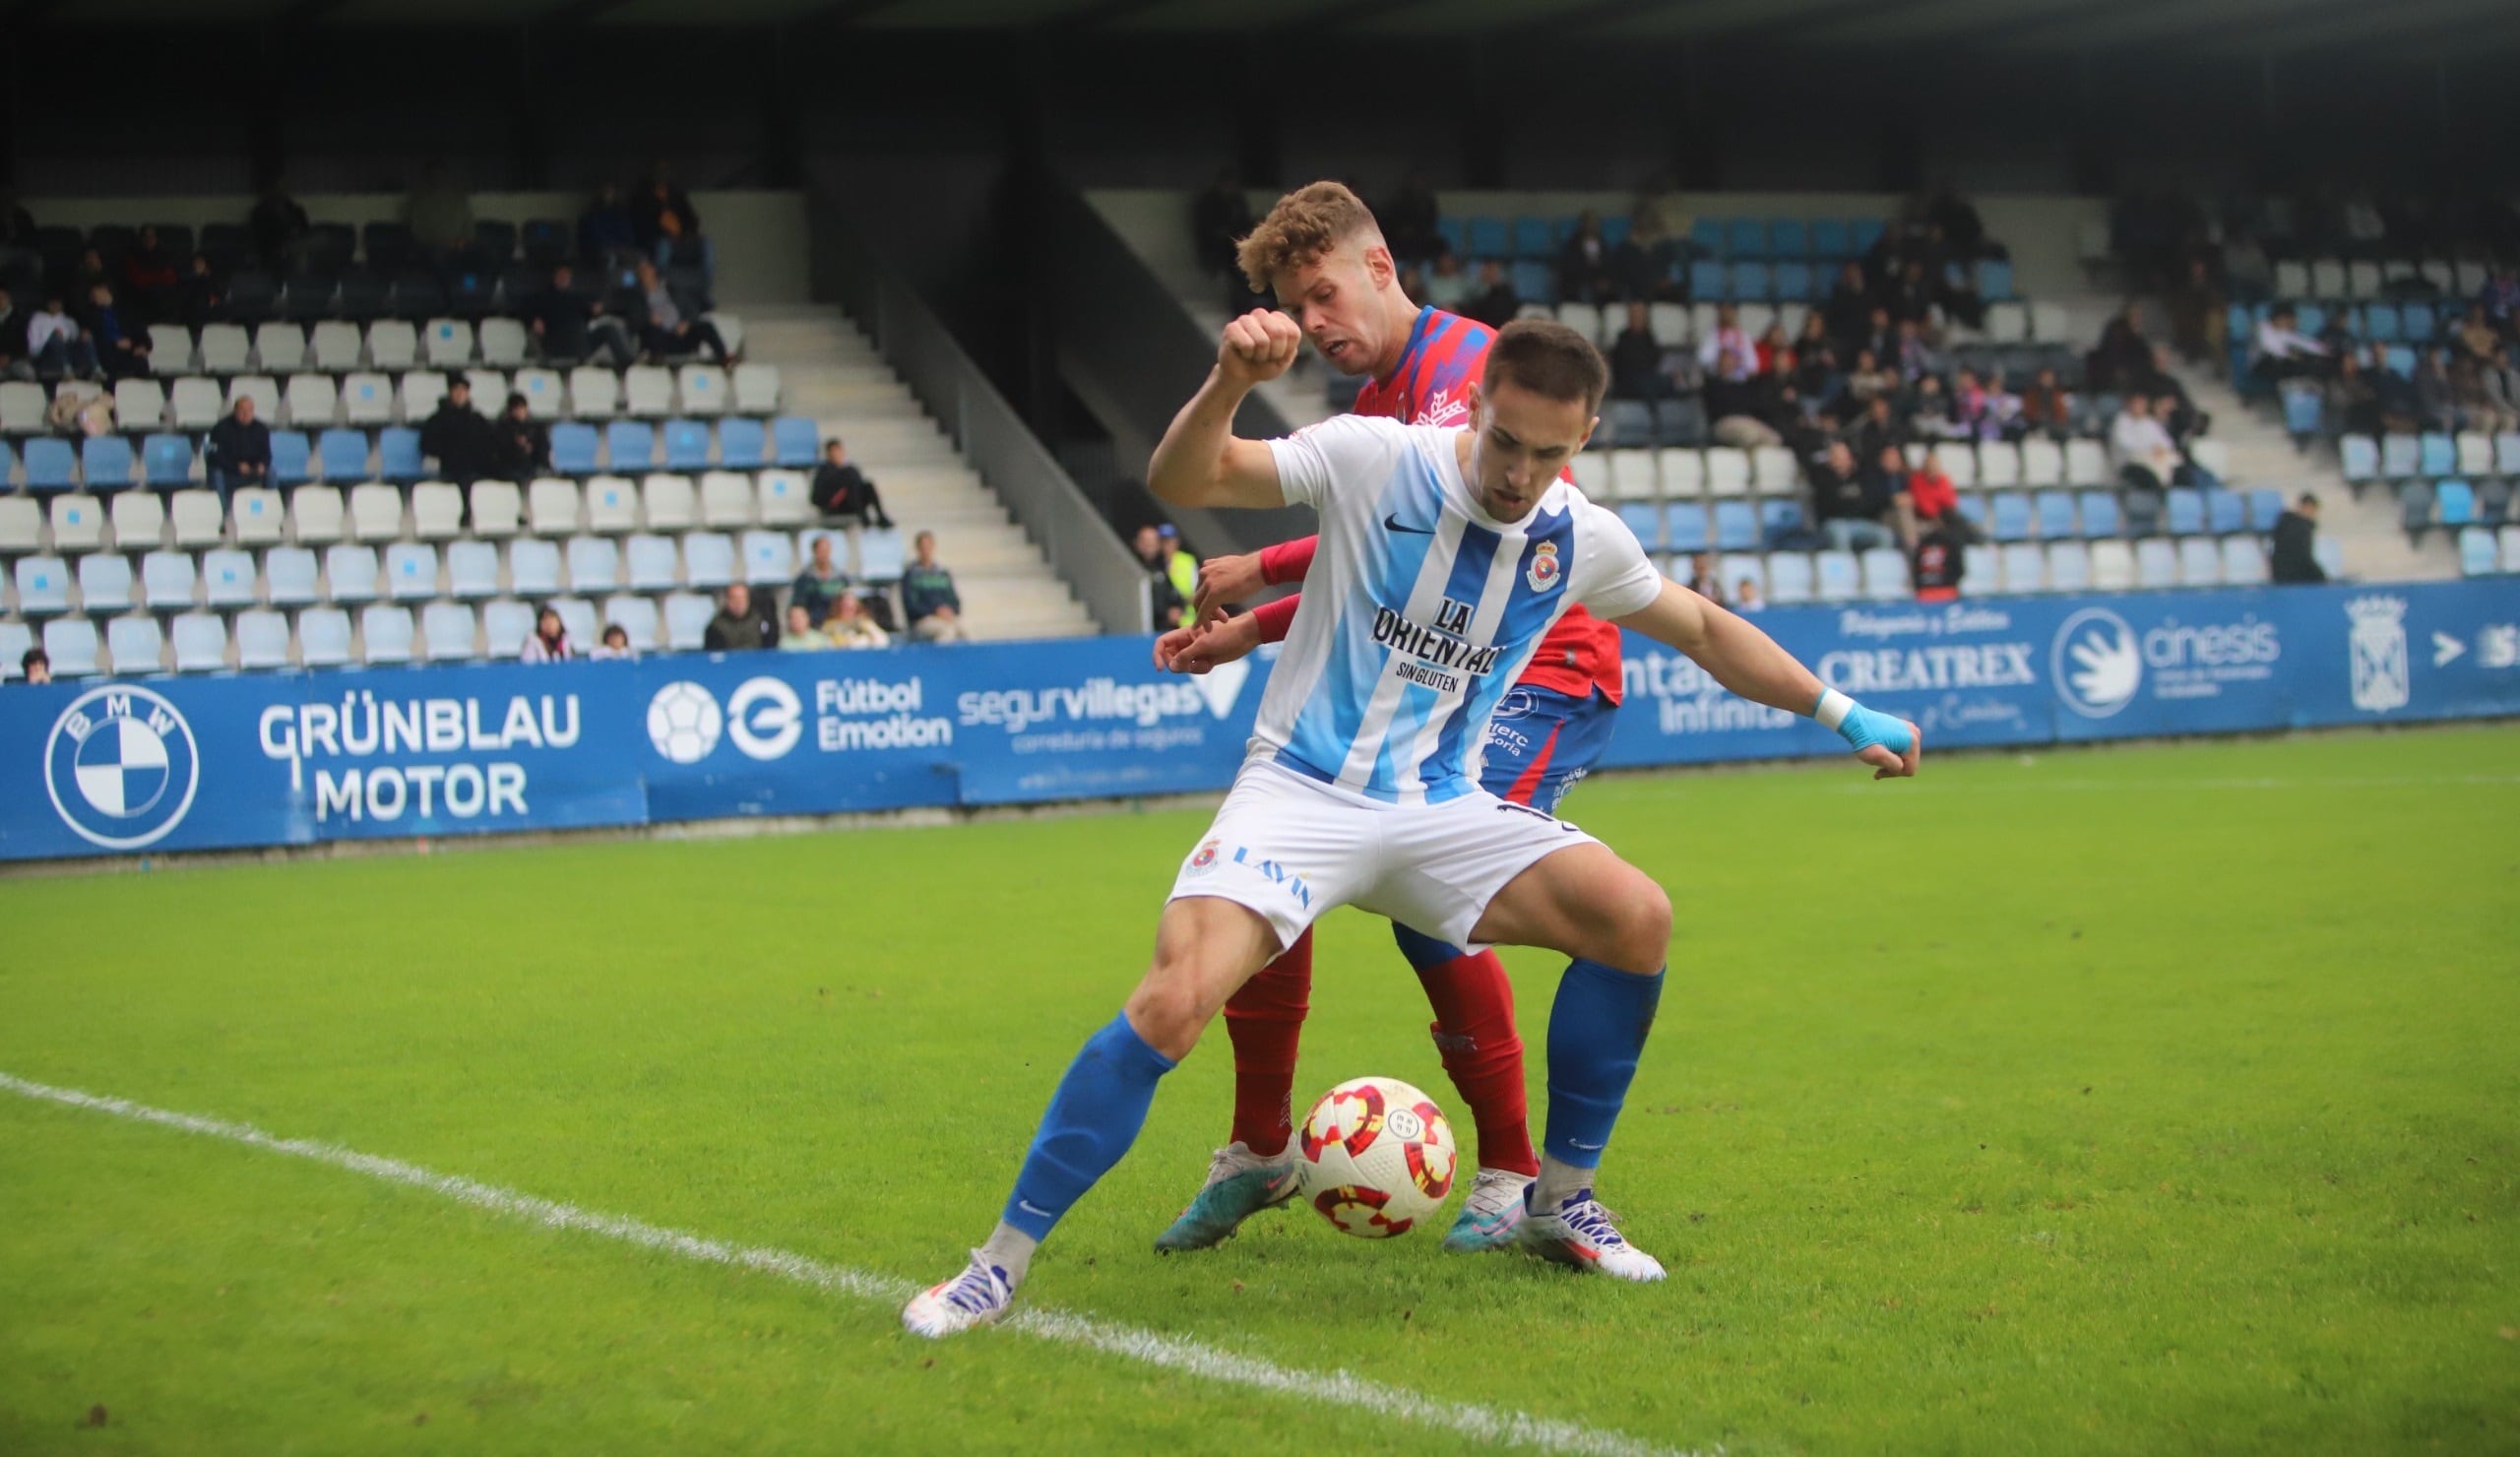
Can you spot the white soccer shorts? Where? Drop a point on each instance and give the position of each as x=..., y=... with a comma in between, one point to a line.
x=1290, y=848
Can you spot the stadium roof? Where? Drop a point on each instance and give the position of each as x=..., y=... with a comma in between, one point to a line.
x=2381, y=30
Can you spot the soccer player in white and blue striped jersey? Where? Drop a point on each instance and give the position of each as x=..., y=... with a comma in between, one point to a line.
x=1445, y=555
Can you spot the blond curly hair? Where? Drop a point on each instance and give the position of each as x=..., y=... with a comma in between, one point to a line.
x=1304, y=224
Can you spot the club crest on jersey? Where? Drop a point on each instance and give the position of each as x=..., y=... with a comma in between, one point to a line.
x=1204, y=860
x=1543, y=571
x=1442, y=408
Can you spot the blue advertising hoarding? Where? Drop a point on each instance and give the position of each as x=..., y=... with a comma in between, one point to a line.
x=169, y=764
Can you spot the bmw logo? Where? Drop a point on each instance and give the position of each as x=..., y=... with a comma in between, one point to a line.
x=121, y=767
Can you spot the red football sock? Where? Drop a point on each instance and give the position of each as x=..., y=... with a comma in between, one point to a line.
x=1265, y=1019
x=1474, y=1030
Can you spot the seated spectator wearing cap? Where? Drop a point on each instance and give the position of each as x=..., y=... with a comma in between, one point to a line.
x=851, y=625
x=549, y=640
x=467, y=447
x=928, y=598
x=843, y=492
x=821, y=585
x=525, y=445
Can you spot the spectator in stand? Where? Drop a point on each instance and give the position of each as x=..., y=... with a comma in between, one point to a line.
x=802, y=635
x=2047, y=406
x=734, y=629
x=1745, y=596
x=36, y=665
x=1584, y=271
x=2351, y=401
x=1849, y=503
x=2398, y=404
x=2296, y=558
x=1408, y=219
x=615, y=646
x=666, y=224
x=1928, y=495
x=821, y=584
x=525, y=445
x=1447, y=287
x=1636, y=359
x=1911, y=295
x=17, y=359
x=2501, y=300
x=669, y=333
x=122, y=349
x=1880, y=338
x=1815, y=360
x=604, y=228
x=1746, y=407
x=1728, y=352
x=2433, y=408
x=1956, y=222
x=1848, y=314
x=1641, y=264
x=1876, y=429
x=841, y=492
x=850, y=627
x=1178, y=564
x=1916, y=358
x=2196, y=315
x=2147, y=459
x=1930, y=412
x=2476, y=397
x=1775, y=352
x=2123, y=354
x=467, y=447
x=568, y=324
x=1937, y=558
x=1219, y=218
x=439, y=211
x=1955, y=291
x=929, y=599
x=2498, y=386
x=1703, y=579
x=238, y=452
x=279, y=226
x=200, y=293
x=1494, y=305
x=549, y=640
x=1167, y=600
x=2475, y=338
x=2284, y=352
x=149, y=276
x=1868, y=381
x=56, y=344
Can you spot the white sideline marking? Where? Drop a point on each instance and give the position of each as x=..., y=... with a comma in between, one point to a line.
x=1154, y=1348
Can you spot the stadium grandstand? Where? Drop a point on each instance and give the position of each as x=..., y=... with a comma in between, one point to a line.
x=615, y=615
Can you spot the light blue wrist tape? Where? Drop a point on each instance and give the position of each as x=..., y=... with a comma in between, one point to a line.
x=1861, y=727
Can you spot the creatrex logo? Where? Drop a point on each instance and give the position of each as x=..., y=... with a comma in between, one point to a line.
x=763, y=717
x=2095, y=663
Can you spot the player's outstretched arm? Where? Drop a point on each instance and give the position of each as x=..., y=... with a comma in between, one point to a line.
x=1199, y=462
x=1749, y=663
x=1197, y=647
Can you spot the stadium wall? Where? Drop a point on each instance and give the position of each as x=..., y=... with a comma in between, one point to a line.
x=162, y=765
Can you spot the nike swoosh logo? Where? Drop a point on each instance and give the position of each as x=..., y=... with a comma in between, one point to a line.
x=1392, y=523
x=1027, y=1206
x=1590, y=1148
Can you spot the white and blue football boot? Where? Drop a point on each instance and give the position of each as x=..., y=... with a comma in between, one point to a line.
x=1240, y=1183
x=1579, y=1233
x=976, y=1297
x=1491, y=1212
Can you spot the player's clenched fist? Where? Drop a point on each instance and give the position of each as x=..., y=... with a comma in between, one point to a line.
x=1258, y=347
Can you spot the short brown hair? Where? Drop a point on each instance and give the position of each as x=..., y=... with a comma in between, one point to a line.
x=1304, y=224
x=1548, y=359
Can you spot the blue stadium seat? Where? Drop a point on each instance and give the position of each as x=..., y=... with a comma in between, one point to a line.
x=595, y=565
x=2416, y=323
x=1840, y=579
x=290, y=572
x=794, y=443
x=227, y=577
x=105, y=461
x=1973, y=510
x=1746, y=237
x=2311, y=319
x=2303, y=411
x=573, y=448
x=342, y=455
x=1707, y=280
x=1706, y=236
x=51, y=465
x=1533, y=282
x=1533, y=240
x=1646, y=519
x=137, y=646
x=166, y=581
x=1793, y=281
x=293, y=458
x=2359, y=457
x=2099, y=509
x=2380, y=323
x=1790, y=237
x=2265, y=504
x=105, y=583
x=1737, y=526
x=70, y=644
x=2010, y=513
x=2400, y=456
x=687, y=444
x=2454, y=503
x=629, y=445
x=1830, y=240
x=2186, y=512
x=1749, y=283
x=2068, y=567
x=167, y=459
x=1863, y=232
x=1629, y=423
x=534, y=567
x=743, y=443
x=262, y=640
x=2415, y=506
x=1488, y=239
x=2436, y=454
x=1687, y=528
x=2477, y=556
x=652, y=562
x=386, y=631
x=324, y=637
x=1679, y=421
x=1455, y=236
x=1994, y=278
x=708, y=559
x=398, y=455
x=2225, y=512
x=471, y=569
x=2400, y=361
x=1778, y=517
x=1789, y=578
x=2055, y=514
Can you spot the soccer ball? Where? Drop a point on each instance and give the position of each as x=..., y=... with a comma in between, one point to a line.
x=1377, y=1157
x=683, y=723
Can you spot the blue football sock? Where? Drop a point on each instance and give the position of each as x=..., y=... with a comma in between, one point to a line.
x=1093, y=1118
x=1596, y=1030
x=1423, y=951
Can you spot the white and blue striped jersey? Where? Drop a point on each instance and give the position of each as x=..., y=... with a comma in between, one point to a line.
x=1420, y=608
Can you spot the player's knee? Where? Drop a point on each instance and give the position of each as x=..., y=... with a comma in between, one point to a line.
x=1640, y=929
x=1166, y=1011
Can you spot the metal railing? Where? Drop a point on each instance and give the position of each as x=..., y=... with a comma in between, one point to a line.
x=1080, y=546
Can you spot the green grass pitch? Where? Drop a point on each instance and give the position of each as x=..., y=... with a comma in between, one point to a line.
x=2150, y=1100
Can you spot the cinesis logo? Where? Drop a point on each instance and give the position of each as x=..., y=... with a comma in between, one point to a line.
x=2095, y=663
x=763, y=719
x=121, y=767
